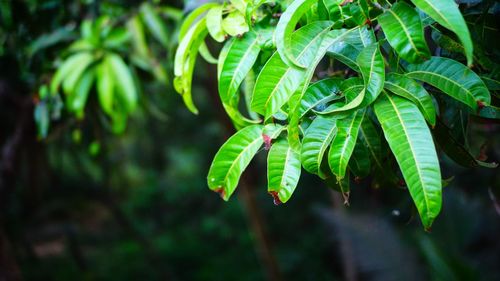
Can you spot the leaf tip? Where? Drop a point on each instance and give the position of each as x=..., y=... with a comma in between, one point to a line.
x=221, y=192
x=276, y=198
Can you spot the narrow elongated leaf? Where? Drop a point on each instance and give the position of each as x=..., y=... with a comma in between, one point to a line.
x=371, y=65
x=447, y=14
x=453, y=78
x=185, y=59
x=232, y=159
x=360, y=163
x=360, y=38
x=278, y=81
x=410, y=89
x=283, y=171
x=453, y=148
x=369, y=136
x=354, y=91
x=154, y=23
x=345, y=53
x=67, y=67
x=193, y=17
x=286, y=25
x=343, y=143
x=404, y=31
x=319, y=93
x=214, y=23
x=317, y=138
x=239, y=59
x=411, y=142
x=70, y=81
x=105, y=86
x=123, y=81
x=79, y=96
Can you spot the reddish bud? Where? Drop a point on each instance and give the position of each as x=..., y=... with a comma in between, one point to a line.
x=267, y=141
x=221, y=192
x=276, y=198
x=480, y=104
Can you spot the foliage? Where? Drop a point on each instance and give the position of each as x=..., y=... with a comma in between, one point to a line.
x=350, y=72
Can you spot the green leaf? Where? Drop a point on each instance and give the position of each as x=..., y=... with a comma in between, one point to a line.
x=123, y=81
x=283, y=171
x=277, y=81
x=453, y=78
x=371, y=65
x=193, y=17
x=232, y=159
x=370, y=138
x=447, y=14
x=413, y=91
x=185, y=59
x=453, y=148
x=411, y=142
x=70, y=81
x=154, y=23
x=345, y=53
x=78, y=98
x=360, y=38
x=238, y=61
x=235, y=24
x=317, y=138
x=105, y=86
x=283, y=36
x=360, y=164
x=404, y=31
x=343, y=143
x=67, y=67
x=214, y=24
x=319, y=93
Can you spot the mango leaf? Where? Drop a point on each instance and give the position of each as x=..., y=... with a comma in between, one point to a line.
x=370, y=138
x=277, y=81
x=193, y=17
x=447, y=14
x=214, y=24
x=360, y=164
x=240, y=58
x=343, y=143
x=319, y=93
x=105, y=86
x=155, y=23
x=491, y=84
x=404, y=31
x=185, y=59
x=371, y=65
x=283, y=36
x=232, y=159
x=71, y=69
x=453, y=78
x=489, y=112
x=413, y=91
x=78, y=98
x=317, y=138
x=283, y=171
x=345, y=53
x=360, y=38
x=235, y=24
x=123, y=81
x=411, y=142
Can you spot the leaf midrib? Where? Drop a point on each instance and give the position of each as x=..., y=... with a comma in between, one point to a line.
x=249, y=51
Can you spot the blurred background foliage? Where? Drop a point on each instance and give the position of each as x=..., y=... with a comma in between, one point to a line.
x=86, y=204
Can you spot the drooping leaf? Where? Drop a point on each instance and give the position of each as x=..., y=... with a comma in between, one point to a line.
x=360, y=163
x=453, y=148
x=447, y=14
x=283, y=171
x=105, y=86
x=345, y=53
x=410, y=89
x=411, y=142
x=78, y=98
x=371, y=65
x=70, y=81
x=286, y=25
x=154, y=23
x=278, y=81
x=123, y=81
x=240, y=58
x=404, y=31
x=360, y=38
x=214, y=24
x=185, y=59
x=343, y=143
x=193, y=17
x=232, y=159
x=317, y=138
x=453, y=78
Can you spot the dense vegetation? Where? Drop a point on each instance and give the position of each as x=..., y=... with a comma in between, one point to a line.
x=391, y=104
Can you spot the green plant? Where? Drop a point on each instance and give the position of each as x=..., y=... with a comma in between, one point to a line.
x=325, y=91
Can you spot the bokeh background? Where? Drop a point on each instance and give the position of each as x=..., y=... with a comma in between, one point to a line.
x=86, y=204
